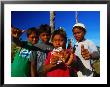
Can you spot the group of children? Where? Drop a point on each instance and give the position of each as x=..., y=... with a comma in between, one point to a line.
x=45, y=54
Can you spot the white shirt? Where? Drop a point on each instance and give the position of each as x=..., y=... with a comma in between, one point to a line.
x=91, y=48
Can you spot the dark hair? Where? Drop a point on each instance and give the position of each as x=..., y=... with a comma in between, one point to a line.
x=31, y=30
x=83, y=29
x=14, y=27
x=44, y=28
x=60, y=32
x=18, y=30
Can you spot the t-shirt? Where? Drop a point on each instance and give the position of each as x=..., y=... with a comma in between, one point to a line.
x=14, y=49
x=21, y=63
x=87, y=63
x=41, y=55
x=59, y=71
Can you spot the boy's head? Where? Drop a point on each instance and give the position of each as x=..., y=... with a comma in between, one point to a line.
x=79, y=31
x=32, y=34
x=59, y=38
x=45, y=33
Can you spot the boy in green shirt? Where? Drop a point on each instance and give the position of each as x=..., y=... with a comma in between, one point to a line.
x=23, y=64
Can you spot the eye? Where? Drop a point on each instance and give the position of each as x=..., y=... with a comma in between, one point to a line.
x=54, y=40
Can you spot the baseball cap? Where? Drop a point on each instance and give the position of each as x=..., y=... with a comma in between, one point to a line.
x=80, y=25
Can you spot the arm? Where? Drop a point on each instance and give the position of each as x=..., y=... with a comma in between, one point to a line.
x=70, y=60
x=33, y=69
x=47, y=66
x=16, y=33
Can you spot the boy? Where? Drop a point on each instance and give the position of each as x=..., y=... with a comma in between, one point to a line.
x=44, y=37
x=24, y=63
x=85, y=50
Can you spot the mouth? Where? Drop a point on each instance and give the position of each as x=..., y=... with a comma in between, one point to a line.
x=45, y=40
x=77, y=38
x=34, y=42
x=58, y=46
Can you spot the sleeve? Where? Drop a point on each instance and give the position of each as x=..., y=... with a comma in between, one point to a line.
x=33, y=56
x=93, y=50
x=18, y=42
x=47, y=61
x=92, y=47
x=23, y=44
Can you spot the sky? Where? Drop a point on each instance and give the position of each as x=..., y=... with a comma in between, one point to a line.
x=65, y=19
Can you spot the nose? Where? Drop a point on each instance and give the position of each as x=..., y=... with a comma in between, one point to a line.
x=35, y=39
x=76, y=34
x=58, y=43
x=45, y=36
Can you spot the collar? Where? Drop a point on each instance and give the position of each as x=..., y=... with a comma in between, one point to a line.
x=81, y=40
x=29, y=43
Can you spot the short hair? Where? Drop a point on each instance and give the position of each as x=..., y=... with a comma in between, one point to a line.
x=81, y=28
x=14, y=27
x=60, y=32
x=31, y=30
x=45, y=28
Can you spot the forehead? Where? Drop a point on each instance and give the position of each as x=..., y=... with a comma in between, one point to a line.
x=58, y=36
x=33, y=34
x=77, y=29
x=43, y=33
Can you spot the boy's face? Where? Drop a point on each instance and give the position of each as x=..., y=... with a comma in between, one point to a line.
x=78, y=34
x=33, y=38
x=58, y=41
x=45, y=37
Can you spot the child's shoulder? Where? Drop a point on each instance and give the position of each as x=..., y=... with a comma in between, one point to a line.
x=44, y=46
x=90, y=42
x=87, y=41
x=50, y=44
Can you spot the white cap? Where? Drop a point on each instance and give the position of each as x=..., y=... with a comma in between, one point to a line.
x=80, y=25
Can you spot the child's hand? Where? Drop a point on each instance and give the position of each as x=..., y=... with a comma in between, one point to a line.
x=16, y=32
x=62, y=56
x=71, y=59
x=85, y=53
x=54, y=60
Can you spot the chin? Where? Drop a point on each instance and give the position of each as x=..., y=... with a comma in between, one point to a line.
x=77, y=40
x=34, y=43
x=45, y=42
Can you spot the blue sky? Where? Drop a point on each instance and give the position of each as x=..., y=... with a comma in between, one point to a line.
x=65, y=19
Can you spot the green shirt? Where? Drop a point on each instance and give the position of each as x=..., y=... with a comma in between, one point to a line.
x=21, y=63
